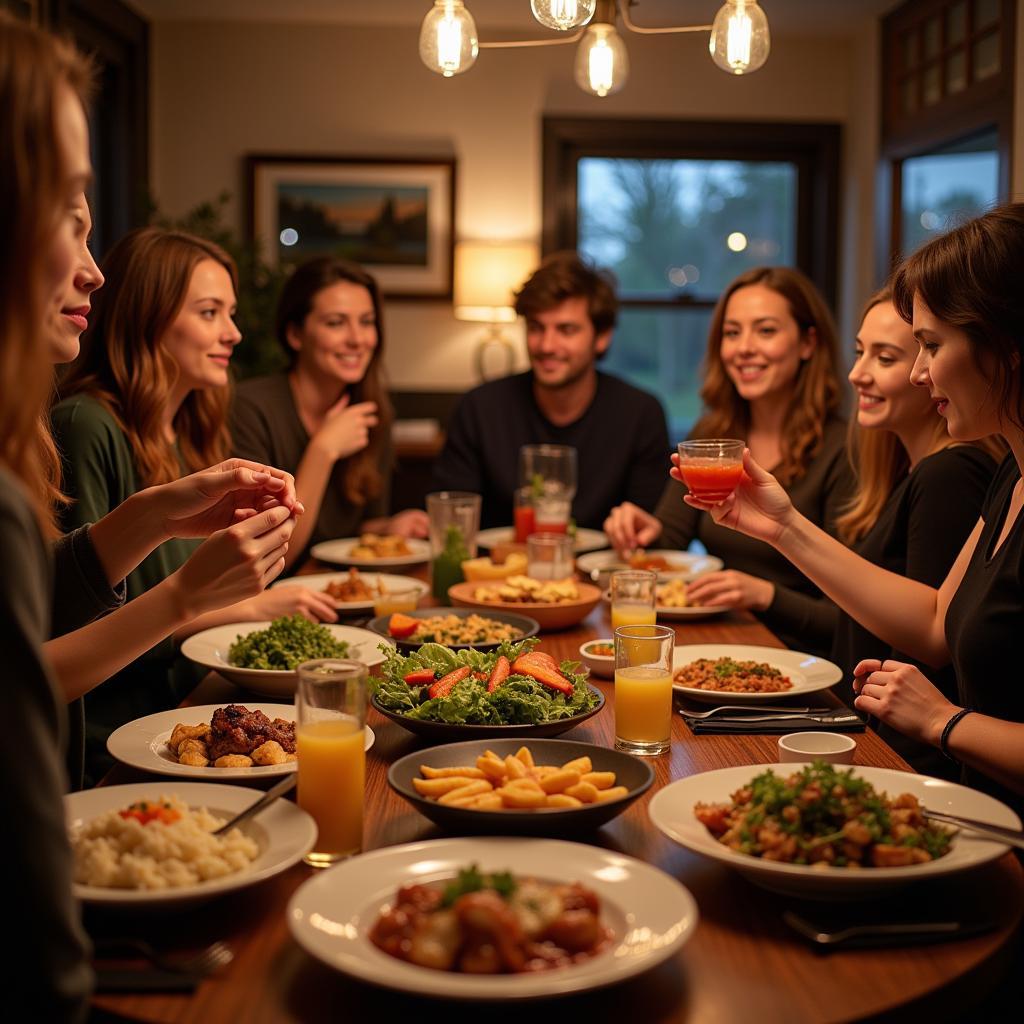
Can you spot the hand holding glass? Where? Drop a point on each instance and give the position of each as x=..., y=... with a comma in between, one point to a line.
x=711, y=469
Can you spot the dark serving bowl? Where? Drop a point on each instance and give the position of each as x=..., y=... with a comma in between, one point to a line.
x=526, y=626
x=632, y=772
x=447, y=732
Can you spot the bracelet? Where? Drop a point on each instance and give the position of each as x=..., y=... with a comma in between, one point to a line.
x=949, y=727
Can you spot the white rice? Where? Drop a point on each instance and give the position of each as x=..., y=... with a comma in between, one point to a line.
x=122, y=853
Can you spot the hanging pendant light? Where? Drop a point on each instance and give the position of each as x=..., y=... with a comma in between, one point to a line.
x=740, y=40
x=602, y=63
x=563, y=15
x=448, y=42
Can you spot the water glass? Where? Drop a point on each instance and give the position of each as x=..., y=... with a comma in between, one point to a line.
x=549, y=556
x=643, y=688
x=633, y=594
x=454, y=524
x=330, y=707
x=548, y=467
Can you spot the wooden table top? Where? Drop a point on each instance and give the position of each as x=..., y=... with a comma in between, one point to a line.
x=742, y=964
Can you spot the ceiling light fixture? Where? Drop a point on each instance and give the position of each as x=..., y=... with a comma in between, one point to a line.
x=739, y=39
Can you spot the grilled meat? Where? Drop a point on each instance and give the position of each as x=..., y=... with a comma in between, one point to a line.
x=237, y=730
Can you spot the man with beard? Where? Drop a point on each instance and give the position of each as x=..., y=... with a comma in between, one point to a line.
x=618, y=431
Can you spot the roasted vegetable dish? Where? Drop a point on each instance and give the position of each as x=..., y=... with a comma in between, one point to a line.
x=825, y=818
x=492, y=924
x=285, y=644
x=512, y=685
x=733, y=676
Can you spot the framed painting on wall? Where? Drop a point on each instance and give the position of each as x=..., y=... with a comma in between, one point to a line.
x=395, y=217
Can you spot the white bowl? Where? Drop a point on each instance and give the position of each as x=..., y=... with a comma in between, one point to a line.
x=210, y=648
x=833, y=747
x=599, y=664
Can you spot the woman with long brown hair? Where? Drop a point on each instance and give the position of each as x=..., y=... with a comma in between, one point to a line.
x=328, y=417
x=771, y=376
x=970, y=334
x=147, y=404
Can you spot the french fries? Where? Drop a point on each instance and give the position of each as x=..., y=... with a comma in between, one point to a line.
x=517, y=783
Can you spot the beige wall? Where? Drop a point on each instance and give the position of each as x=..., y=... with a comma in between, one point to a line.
x=222, y=90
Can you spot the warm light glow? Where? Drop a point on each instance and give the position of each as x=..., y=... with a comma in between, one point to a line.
x=486, y=276
x=289, y=236
x=563, y=15
x=739, y=40
x=737, y=241
x=448, y=42
x=602, y=63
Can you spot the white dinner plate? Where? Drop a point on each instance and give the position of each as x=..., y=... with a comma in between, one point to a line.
x=320, y=580
x=210, y=648
x=338, y=552
x=689, y=612
x=808, y=673
x=687, y=564
x=143, y=743
x=585, y=540
x=284, y=833
x=651, y=915
x=671, y=810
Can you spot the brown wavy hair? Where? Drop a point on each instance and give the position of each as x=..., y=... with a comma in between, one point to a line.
x=566, y=275
x=34, y=67
x=363, y=480
x=969, y=278
x=816, y=394
x=124, y=366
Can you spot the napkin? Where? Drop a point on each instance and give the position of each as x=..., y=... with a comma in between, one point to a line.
x=782, y=724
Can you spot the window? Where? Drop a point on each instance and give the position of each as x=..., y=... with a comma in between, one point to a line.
x=676, y=221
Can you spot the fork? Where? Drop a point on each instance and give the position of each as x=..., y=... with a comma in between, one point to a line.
x=749, y=708
x=214, y=957
x=920, y=930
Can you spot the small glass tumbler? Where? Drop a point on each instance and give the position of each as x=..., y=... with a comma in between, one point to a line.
x=549, y=556
x=711, y=469
x=643, y=688
x=330, y=705
x=633, y=594
x=454, y=523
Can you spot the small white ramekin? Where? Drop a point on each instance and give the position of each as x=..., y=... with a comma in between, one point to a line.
x=833, y=747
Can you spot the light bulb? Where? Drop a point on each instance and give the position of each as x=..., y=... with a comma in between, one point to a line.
x=739, y=40
x=448, y=42
x=563, y=14
x=602, y=63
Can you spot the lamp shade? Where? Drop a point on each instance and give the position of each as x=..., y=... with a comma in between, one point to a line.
x=486, y=276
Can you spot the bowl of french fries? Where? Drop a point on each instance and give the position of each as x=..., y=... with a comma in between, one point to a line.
x=507, y=787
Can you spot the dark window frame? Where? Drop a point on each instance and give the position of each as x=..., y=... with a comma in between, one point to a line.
x=813, y=147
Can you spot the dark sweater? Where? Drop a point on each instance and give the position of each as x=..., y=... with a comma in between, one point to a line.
x=984, y=619
x=621, y=442
x=49, y=974
x=265, y=427
x=918, y=534
x=799, y=615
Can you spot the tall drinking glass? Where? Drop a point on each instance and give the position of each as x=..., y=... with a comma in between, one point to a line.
x=454, y=523
x=643, y=688
x=711, y=469
x=633, y=594
x=330, y=705
x=548, y=467
x=549, y=556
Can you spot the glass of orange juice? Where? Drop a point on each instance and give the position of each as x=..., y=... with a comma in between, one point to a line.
x=632, y=596
x=330, y=705
x=711, y=468
x=643, y=688
x=396, y=599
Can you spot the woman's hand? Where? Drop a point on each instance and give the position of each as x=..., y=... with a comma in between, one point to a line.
x=412, y=522
x=759, y=507
x=201, y=503
x=345, y=429
x=730, y=589
x=315, y=605
x=900, y=695
x=234, y=564
x=629, y=527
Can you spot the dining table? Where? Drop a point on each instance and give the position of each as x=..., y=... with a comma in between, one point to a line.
x=742, y=964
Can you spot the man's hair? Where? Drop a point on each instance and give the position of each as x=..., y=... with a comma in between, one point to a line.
x=564, y=275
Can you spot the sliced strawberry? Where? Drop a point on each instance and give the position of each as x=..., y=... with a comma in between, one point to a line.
x=446, y=683
x=499, y=673
x=400, y=626
x=420, y=677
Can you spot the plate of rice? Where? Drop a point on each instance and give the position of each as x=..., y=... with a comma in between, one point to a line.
x=150, y=844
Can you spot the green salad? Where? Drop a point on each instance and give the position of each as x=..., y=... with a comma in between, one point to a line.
x=285, y=644
x=520, y=700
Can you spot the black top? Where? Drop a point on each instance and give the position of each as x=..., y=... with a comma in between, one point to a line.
x=984, y=620
x=799, y=615
x=265, y=427
x=50, y=970
x=918, y=534
x=621, y=442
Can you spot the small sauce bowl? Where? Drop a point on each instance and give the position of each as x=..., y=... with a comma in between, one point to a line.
x=833, y=747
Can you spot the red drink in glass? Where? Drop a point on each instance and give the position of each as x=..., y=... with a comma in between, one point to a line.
x=711, y=480
x=524, y=522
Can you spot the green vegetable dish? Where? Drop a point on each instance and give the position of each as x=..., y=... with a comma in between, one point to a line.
x=285, y=644
x=825, y=818
x=529, y=694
